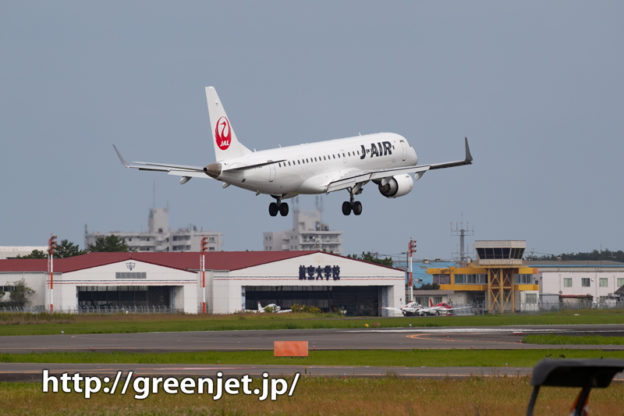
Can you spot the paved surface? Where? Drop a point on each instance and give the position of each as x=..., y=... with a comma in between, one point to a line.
x=334, y=339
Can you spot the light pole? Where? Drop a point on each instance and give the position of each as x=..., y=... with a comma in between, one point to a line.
x=203, y=271
x=51, y=247
x=411, y=249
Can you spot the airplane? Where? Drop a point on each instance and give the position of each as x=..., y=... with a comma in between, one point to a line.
x=441, y=308
x=271, y=307
x=386, y=159
x=410, y=309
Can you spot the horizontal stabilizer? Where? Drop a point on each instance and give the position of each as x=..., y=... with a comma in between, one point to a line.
x=176, y=170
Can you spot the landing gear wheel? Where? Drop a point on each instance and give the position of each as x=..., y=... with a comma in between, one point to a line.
x=272, y=209
x=346, y=208
x=283, y=209
x=357, y=207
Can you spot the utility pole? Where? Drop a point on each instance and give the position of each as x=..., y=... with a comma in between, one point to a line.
x=411, y=249
x=203, y=272
x=51, y=247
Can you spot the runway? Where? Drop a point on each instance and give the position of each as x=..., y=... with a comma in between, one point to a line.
x=502, y=337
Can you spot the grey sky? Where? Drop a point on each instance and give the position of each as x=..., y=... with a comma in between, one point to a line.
x=536, y=86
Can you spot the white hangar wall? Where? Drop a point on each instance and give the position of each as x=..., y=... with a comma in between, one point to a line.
x=226, y=288
x=119, y=274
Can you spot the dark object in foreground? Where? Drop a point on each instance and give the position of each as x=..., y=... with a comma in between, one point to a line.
x=584, y=373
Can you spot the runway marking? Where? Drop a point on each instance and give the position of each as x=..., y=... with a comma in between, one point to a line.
x=461, y=330
x=419, y=337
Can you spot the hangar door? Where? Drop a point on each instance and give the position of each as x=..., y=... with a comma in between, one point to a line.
x=133, y=298
x=356, y=300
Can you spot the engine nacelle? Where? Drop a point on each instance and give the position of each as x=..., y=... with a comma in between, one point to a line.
x=396, y=186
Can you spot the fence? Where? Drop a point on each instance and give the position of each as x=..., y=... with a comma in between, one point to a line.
x=95, y=309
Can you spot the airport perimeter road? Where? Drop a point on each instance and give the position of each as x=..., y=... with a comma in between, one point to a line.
x=336, y=339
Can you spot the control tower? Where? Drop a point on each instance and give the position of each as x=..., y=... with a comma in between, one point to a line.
x=502, y=260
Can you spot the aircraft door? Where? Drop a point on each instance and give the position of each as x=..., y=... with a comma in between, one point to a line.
x=404, y=147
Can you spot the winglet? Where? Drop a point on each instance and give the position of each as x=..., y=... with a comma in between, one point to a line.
x=467, y=160
x=123, y=161
x=468, y=155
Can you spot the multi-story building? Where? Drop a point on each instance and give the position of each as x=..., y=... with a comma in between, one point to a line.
x=309, y=232
x=160, y=238
x=578, y=283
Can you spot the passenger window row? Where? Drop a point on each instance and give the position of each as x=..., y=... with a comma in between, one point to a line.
x=322, y=158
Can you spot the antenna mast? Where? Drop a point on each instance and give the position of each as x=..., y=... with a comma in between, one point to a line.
x=462, y=231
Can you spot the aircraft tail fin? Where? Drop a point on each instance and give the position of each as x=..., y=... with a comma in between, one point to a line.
x=430, y=302
x=260, y=306
x=225, y=142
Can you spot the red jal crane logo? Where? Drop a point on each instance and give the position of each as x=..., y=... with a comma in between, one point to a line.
x=223, y=133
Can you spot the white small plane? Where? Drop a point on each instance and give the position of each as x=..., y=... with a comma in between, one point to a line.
x=441, y=308
x=410, y=309
x=386, y=159
x=272, y=307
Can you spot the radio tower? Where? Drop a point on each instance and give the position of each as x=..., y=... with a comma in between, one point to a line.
x=462, y=231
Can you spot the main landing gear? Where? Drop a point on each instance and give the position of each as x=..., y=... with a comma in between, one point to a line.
x=280, y=206
x=351, y=205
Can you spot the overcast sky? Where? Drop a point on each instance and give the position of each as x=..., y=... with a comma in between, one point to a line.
x=536, y=86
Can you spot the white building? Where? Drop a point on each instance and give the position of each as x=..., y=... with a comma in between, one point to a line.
x=235, y=281
x=579, y=282
x=308, y=233
x=160, y=238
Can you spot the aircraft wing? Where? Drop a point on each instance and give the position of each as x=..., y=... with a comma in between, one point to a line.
x=459, y=308
x=176, y=170
x=389, y=308
x=351, y=179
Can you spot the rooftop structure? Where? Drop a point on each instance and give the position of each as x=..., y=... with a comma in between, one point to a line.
x=499, y=252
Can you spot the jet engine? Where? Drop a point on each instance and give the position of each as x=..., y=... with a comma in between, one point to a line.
x=396, y=186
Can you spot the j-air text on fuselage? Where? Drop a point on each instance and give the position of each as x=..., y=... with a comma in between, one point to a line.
x=386, y=159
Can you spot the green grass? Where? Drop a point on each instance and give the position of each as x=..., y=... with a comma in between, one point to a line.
x=42, y=324
x=325, y=396
x=391, y=396
x=409, y=358
x=572, y=339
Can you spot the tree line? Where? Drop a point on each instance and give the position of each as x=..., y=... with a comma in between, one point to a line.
x=596, y=255
x=109, y=243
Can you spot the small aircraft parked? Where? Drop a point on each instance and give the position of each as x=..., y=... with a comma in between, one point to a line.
x=271, y=307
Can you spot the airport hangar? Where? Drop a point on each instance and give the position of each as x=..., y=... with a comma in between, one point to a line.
x=234, y=281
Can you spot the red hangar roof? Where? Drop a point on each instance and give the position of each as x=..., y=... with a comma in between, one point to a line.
x=215, y=260
x=220, y=260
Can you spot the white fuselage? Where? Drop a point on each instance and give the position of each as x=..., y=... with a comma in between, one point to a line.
x=307, y=168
